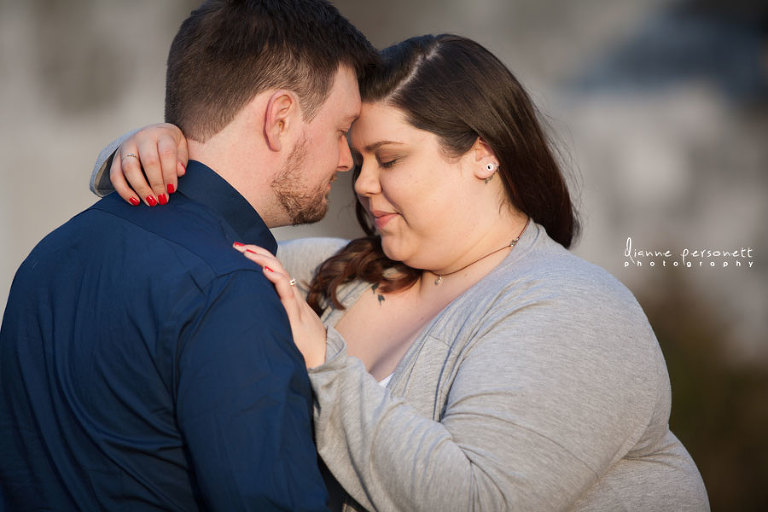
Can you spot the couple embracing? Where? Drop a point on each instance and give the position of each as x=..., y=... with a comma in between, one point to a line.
x=159, y=352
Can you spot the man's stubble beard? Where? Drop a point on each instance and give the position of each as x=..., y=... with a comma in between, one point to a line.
x=302, y=206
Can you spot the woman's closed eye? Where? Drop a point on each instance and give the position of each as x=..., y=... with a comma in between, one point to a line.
x=387, y=161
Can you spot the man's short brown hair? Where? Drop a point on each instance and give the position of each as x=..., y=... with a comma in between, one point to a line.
x=228, y=51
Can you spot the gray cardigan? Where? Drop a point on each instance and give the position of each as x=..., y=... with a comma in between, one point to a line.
x=540, y=388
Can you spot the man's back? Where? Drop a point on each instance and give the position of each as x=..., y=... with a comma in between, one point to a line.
x=145, y=364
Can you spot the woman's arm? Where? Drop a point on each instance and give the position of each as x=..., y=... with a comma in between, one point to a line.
x=100, y=184
x=142, y=164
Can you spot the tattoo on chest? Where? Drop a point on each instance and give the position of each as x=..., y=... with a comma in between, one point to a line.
x=379, y=296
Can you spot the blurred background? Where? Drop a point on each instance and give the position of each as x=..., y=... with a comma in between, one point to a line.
x=658, y=108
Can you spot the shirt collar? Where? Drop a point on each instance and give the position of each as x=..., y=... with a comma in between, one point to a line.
x=203, y=185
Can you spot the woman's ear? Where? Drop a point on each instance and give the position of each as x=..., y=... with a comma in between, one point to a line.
x=484, y=161
x=280, y=117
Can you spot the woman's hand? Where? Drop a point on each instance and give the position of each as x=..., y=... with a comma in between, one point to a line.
x=309, y=333
x=161, y=150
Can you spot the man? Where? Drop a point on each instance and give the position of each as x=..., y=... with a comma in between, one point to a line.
x=146, y=365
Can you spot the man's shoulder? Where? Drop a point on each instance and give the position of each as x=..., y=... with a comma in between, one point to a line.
x=182, y=230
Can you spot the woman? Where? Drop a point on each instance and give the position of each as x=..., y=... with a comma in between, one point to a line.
x=511, y=374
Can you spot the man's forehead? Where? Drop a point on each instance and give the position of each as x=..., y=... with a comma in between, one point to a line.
x=352, y=116
x=350, y=108
x=344, y=101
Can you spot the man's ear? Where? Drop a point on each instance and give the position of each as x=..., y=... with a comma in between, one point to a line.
x=484, y=161
x=282, y=113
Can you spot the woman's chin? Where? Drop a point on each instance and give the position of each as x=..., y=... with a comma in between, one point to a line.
x=396, y=252
x=390, y=248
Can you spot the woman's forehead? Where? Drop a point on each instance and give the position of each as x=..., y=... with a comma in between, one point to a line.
x=380, y=121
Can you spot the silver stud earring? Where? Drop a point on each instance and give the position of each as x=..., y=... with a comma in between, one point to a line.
x=490, y=167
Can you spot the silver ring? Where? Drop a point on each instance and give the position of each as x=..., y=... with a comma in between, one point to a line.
x=129, y=155
x=292, y=282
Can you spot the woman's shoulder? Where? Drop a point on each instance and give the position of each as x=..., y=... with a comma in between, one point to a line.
x=306, y=247
x=549, y=266
x=553, y=306
x=556, y=290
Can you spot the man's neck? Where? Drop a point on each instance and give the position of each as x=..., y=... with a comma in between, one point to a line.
x=242, y=169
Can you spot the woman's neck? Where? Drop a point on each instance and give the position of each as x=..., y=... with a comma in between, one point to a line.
x=479, y=259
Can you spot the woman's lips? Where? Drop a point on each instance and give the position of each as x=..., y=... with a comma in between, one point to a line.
x=382, y=218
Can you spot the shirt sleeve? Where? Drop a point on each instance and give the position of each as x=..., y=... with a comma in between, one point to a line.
x=100, y=184
x=540, y=407
x=243, y=401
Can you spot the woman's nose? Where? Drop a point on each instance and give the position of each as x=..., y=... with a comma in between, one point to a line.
x=367, y=182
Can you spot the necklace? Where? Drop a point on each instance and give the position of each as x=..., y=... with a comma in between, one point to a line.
x=510, y=245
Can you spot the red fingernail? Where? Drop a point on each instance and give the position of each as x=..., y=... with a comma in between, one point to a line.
x=250, y=251
x=267, y=268
x=134, y=201
x=163, y=199
x=170, y=188
x=151, y=201
x=238, y=244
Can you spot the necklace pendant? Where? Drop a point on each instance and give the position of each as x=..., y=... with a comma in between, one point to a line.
x=438, y=280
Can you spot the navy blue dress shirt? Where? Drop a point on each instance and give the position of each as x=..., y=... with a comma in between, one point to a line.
x=146, y=365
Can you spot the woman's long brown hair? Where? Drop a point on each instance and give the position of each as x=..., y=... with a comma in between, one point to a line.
x=455, y=88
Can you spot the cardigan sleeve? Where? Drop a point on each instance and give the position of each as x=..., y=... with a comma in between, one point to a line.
x=545, y=399
x=100, y=184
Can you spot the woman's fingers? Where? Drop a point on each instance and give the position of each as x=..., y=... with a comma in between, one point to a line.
x=285, y=286
x=252, y=248
x=285, y=290
x=166, y=149
x=149, y=142
x=118, y=181
x=274, y=272
x=263, y=257
x=172, y=154
x=183, y=156
x=149, y=163
x=126, y=175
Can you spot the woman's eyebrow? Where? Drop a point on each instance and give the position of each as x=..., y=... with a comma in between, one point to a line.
x=377, y=145
x=372, y=147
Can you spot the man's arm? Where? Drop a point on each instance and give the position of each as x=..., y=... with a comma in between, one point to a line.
x=244, y=401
